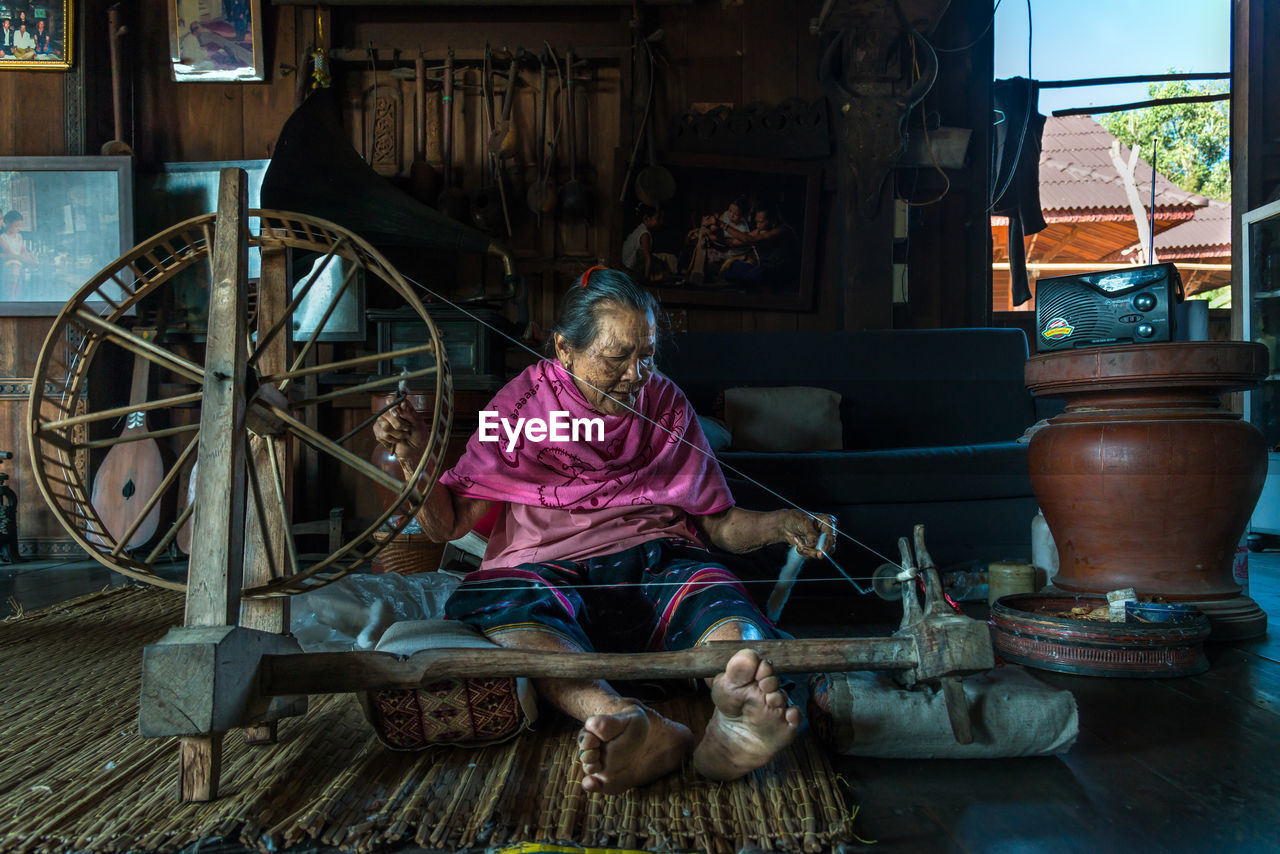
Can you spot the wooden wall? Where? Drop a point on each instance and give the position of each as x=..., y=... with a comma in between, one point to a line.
x=716, y=52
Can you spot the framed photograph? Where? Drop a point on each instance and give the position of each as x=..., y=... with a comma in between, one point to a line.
x=737, y=232
x=36, y=34
x=180, y=191
x=65, y=219
x=219, y=41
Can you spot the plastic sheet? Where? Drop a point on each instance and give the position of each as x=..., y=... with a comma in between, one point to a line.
x=353, y=612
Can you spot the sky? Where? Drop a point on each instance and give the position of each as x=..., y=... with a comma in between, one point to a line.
x=1104, y=38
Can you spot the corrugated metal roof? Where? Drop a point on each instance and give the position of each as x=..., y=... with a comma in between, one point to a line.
x=1210, y=227
x=1076, y=173
x=1206, y=236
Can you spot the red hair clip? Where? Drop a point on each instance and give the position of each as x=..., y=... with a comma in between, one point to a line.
x=590, y=270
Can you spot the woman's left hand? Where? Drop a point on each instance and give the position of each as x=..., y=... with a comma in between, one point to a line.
x=803, y=530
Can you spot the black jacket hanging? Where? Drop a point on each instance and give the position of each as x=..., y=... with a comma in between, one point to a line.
x=1017, y=173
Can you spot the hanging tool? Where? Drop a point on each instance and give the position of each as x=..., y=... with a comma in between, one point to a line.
x=453, y=200
x=115, y=30
x=573, y=196
x=423, y=177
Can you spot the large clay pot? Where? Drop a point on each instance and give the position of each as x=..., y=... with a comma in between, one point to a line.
x=1147, y=480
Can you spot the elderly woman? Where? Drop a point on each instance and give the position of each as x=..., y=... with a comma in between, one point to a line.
x=598, y=543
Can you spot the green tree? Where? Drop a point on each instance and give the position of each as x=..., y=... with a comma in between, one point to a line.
x=1193, y=140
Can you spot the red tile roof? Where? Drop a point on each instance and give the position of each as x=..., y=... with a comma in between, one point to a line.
x=1079, y=182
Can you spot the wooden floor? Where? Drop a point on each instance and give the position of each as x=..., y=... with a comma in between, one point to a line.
x=1173, y=765
x=1161, y=765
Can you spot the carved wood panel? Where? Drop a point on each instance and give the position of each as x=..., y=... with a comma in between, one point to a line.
x=39, y=533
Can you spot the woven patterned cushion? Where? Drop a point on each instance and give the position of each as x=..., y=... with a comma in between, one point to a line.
x=450, y=711
x=470, y=712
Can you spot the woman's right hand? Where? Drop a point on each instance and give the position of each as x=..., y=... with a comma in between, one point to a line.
x=403, y=431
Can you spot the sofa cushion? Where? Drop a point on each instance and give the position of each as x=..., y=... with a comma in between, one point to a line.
x=717, y=432
x=783, y=418
x=824, y=479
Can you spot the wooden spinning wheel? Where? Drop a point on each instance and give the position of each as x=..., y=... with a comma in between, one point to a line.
x=249, y=407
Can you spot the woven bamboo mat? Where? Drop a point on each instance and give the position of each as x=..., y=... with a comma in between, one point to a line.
x=75, y=774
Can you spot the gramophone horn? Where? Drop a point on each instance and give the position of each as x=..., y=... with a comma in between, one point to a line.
x=314, y=170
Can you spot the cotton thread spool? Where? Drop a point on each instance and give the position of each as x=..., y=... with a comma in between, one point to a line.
x=1007, y=577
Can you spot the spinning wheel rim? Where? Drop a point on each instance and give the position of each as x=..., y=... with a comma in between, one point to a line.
x=58, y=418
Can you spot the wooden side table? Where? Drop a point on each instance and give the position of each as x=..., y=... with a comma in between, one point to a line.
x=1147, y=480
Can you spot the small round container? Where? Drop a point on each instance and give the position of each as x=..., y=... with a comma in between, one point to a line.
x=1008, y=578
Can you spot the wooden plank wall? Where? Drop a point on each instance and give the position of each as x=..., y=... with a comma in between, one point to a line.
x=718, y=51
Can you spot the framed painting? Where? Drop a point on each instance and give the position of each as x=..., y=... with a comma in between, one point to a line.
x=736, y=232
x=218, y=41
x=64, y=220
x=36, y=35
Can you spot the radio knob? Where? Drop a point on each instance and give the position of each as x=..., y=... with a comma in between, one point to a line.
x=1144, y=330
x=1144, y=302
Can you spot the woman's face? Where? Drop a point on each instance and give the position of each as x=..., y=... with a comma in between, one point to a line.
x=611, y=370
x=11, y=227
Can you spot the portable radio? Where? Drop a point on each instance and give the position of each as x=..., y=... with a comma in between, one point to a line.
x=1136, y=304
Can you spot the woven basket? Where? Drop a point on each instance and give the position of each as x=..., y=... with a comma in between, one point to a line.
x=406, y=554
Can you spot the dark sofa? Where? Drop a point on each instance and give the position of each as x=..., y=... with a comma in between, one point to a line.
x=930, y=422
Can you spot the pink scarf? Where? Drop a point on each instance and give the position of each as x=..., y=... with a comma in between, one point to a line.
x=638, y=461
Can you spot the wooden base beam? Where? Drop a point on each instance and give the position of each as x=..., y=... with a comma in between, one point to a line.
x=201, y=767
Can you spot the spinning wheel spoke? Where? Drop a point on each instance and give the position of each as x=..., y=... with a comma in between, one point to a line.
x=142, y=347
x=120, y=411
x=296, y=372
x=315, y=333
x=172, y=533
x=164, y=486
x=266, y=339
x=341, y=454
x=382, y=382
x=137, y=437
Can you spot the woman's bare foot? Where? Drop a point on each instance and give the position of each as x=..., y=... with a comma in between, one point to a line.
x=628, y=749
x=752, y=721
